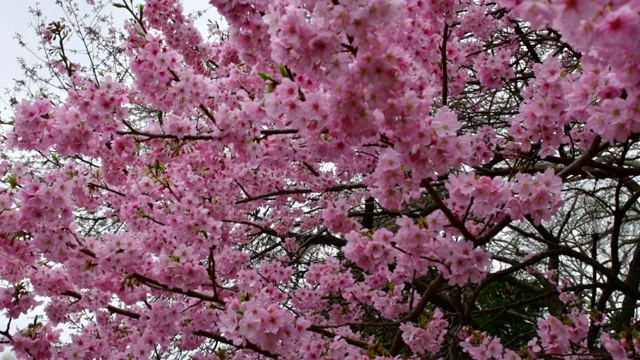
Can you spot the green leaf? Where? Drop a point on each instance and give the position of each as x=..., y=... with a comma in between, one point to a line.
x=119, y=6
x=283, y=71
x=12, y=180
x=265, y=76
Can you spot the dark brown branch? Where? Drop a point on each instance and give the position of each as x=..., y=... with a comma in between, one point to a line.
x=575, y=167
x=168, y=136
x=428, y=294
x=367, y=217
x=525, y=41
x=329, y=334
x=301, y=191
x=105, y=188
x=278, y=131
x=247, y=344
x=208, y=113
x=455, y=222
x=194, y=294
x=443, y=54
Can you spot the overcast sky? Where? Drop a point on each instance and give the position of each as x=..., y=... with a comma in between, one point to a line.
x=15, y=18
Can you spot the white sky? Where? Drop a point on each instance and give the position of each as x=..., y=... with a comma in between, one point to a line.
x=15, y=18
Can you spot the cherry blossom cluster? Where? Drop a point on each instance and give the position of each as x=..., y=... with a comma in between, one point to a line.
x=537, y=195
x=428, y=338
x=620, y=349
x=415, y=249
x=480, y=346
x=162, y=80
x=604, y=96
x=330, y=182
x=36, y=341
x=492, y=69
x=179, y=32
x=556, y=335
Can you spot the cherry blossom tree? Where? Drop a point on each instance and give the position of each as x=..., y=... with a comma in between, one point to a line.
x=340, y=179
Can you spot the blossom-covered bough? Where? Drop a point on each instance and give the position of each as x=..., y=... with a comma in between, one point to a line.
x=340, y=179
